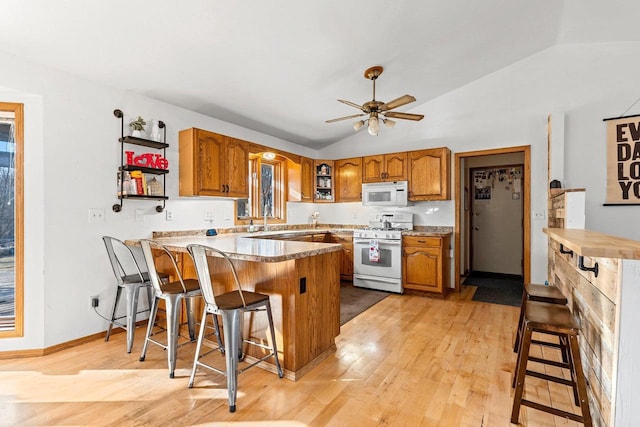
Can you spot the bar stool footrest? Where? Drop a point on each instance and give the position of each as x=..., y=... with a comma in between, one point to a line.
x=551, y=410
x=549, y=378
x=549, y=362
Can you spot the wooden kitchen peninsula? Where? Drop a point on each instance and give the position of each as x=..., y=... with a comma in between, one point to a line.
x=600, y=276
x=302, y=280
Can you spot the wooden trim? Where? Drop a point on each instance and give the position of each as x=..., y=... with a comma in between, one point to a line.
x=526, y=217
x=18, y=110
x=37, y=352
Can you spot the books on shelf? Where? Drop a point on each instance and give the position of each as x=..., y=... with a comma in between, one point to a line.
x=136, y=183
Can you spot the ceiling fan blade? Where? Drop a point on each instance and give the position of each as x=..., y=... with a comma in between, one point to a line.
x=344, y=118
x=353, y=104
x=404, y=99
x=406, y=116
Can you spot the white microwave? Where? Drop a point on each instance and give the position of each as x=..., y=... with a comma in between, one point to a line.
x=385, y=194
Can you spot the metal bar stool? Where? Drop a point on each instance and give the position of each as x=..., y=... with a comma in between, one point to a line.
x=557, y=320
x=132, y=279
x=540, y=293
x=231, y=306
x=172, y=293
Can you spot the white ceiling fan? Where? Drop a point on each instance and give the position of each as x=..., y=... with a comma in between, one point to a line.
x=378, y=110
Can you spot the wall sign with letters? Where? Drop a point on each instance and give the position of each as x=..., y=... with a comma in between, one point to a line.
x=623, y=160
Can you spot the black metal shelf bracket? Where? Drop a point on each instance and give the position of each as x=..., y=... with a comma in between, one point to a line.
x=566, y=251
x=581, y=266
x=147, y=143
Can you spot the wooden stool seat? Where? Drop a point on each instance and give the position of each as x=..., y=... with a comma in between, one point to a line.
x=544, y=293
x=555, y=319
x=539, y=293
x=550, y=318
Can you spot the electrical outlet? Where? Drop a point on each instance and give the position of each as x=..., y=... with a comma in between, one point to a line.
x=168, y=215
x=96, y=215
x=95, y=302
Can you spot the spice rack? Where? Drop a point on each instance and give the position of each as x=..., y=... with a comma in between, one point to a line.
x=126, y=168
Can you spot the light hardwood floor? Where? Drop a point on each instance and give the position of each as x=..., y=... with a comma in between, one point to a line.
x=409, y=360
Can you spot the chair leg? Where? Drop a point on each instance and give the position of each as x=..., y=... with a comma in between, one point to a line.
x=580, y=380
x=521, y=370
x=230, y=324
x=199, y=346
x=216, y=330
x=113, y=313
x=152, y=320
x=190, y=305
x=172, y=303
x=273, y=340
x=520, y=320
x=131, y=293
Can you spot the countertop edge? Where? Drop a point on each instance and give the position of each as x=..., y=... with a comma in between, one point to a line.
x=595, y=244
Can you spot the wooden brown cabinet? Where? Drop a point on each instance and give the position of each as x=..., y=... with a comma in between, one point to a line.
x=349, y=180
x=429, y=174
x=425, y=263
x=323, y=176
x=384, y=167
x=306, y=179
x=346, y=259
x=212, y=164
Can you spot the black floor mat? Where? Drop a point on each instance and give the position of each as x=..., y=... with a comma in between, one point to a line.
x=496, y=288
x=354, y=301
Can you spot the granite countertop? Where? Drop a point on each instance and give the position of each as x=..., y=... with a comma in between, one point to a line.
x=303, y=229
x=242, y=247
x=237, y=243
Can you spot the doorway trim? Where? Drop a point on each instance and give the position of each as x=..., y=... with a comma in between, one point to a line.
x=526, y=208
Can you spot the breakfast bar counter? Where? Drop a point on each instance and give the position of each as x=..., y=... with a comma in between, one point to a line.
x=600, y=276
x=302, y=280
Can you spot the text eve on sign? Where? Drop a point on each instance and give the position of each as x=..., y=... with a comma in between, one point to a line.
x=628, y=149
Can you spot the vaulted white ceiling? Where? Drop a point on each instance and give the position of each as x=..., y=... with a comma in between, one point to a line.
x=278, y=66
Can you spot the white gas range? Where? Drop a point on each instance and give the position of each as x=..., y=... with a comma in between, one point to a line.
x=377, y=249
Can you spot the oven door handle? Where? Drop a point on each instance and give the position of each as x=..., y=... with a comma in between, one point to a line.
x=380, y=242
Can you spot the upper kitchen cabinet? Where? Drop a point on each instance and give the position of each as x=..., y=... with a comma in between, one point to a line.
x=349, y=180
x=323, y=176
x=385, y=167
x=212, y=164
x=429, y=174
x=306, y=179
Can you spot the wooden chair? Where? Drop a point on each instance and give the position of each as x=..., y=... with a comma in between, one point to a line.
x=231, y=306
x=554, y=319
x=541, y=293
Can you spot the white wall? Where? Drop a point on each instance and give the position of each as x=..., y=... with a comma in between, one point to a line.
x=71, y=159
x=586, y=82
x=72, y=155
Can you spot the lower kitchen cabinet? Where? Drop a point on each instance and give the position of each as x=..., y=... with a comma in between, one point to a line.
x=346, y=260
x=425, y=263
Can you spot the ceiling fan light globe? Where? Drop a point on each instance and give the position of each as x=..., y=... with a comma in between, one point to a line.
x=390, y=123
x=374, y=126
x=357, y=125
